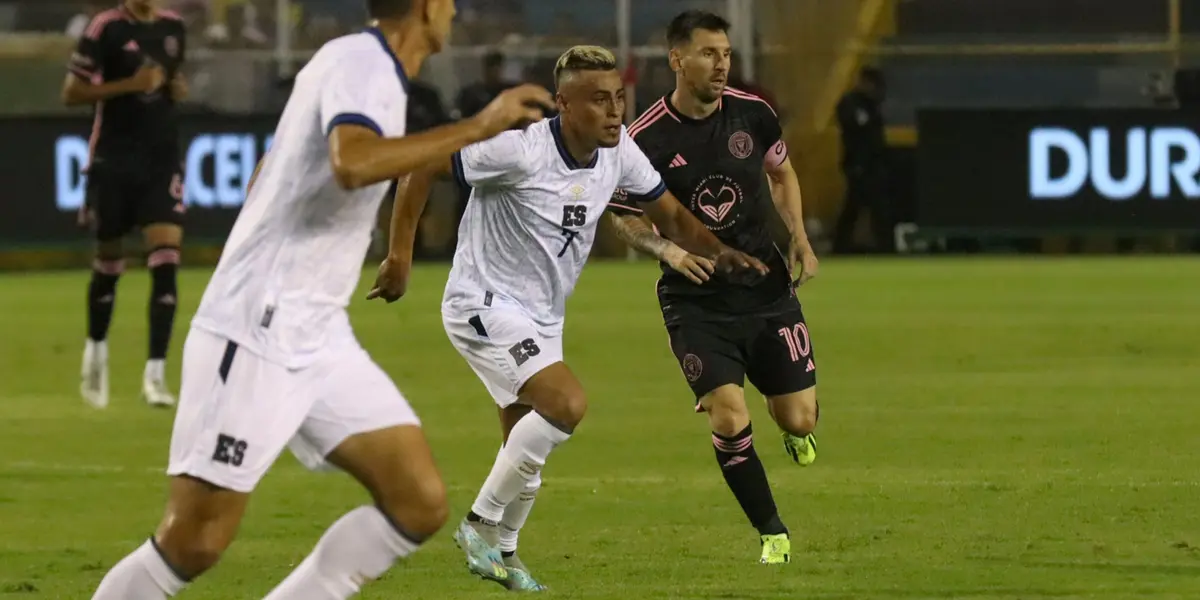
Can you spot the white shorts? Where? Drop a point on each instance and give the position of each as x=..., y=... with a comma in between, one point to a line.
x=503, y=347
x=237, y=411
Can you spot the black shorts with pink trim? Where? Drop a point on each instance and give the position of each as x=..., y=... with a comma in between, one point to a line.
x=125, y=197
x=774, y=352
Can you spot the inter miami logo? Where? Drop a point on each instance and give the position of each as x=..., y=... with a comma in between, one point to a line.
x=715, y=201
x=692, y=367
x=740, y=144
x=171, y=46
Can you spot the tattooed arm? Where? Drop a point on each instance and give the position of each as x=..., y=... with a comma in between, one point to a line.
x=633, y=230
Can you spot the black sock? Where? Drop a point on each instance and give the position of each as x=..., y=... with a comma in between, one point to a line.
x=164, y=263
x=747, y=479
x=102, y=295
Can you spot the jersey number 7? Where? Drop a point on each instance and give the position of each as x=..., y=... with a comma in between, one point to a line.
x=574, y=215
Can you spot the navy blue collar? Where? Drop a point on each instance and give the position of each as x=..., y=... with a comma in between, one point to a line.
x=386, y=48
x=556, y=131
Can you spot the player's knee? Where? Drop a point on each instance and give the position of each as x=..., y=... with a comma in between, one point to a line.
x=110, y=251
x=727, y=412
x=163, y=235
x=565, y=409
x=192, y=548
x=421, y=510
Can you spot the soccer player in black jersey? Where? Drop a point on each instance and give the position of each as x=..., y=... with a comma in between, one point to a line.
x=127, y=67
x=720, y=152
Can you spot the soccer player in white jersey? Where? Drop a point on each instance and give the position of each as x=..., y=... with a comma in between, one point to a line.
x=271, y=360
x=537, y=197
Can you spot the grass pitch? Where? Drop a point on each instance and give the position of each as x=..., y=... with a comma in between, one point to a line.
x=994, y=429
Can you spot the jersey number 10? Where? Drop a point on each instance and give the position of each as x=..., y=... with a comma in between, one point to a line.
x=574, y=215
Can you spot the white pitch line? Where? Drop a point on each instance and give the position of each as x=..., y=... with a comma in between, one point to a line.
x=1010, y=482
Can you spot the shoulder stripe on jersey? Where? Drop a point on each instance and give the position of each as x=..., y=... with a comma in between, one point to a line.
x=163, y=13
x=641, y=118
x=100, y=21
x=736, y=93
x=649, y=118
x=354, y=119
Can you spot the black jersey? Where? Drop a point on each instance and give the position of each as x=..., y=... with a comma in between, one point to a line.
x=715, y=167
x=113, y=47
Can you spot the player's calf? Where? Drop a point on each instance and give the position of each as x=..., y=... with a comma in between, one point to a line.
x=559, y=405
x=163, y=262
x=396, y=467
x=795, y=413
x=102, y=294
x=733, y=444
x=199, y=524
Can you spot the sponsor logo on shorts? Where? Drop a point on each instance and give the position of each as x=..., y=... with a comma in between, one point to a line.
x=692, y=367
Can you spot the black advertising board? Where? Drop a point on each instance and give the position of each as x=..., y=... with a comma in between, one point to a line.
x=1059, y=170
x=42, y=181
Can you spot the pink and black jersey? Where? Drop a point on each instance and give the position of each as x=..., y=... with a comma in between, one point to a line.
x=716, y=167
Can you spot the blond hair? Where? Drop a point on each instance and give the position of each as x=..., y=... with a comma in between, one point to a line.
x=583, y=58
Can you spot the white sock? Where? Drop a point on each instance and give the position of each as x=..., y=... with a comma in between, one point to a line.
x=156, y=370
x=96, y=351
x=143, y=575
x=519, y=462
x=516, y=513
x=358, y=548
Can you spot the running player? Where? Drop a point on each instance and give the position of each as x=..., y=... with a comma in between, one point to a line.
x=127, y=68
x=271, y=360
x=712, y=144
x=536, y=200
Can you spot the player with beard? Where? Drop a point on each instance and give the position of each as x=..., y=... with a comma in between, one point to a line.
x=720, y=151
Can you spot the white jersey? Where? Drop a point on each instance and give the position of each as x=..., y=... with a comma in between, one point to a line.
x=532, y=217
x=296, y=251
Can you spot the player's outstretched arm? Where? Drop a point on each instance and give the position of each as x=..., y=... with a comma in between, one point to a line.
x=634, y=231
x=361, y=157
x=785, y=192
x=682, y=227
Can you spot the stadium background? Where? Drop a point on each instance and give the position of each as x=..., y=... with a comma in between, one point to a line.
x=994, y=426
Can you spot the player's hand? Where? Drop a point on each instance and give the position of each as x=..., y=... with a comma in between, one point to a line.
x=802, y=257
x=148, y=79
x=392, y=281
x=730, y=261
x=696, y=268
x=521, y=105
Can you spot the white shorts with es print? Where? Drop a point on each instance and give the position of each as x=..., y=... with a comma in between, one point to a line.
x=503, y=345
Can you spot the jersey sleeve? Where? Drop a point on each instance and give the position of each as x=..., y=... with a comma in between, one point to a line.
x=351, y=94
x=500, y=160
x=770, y=132
x=639, y=179
x=87, y=62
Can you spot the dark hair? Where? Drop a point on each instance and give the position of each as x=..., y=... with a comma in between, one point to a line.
x=388, y=9
x=493, y=59
x=680, y=30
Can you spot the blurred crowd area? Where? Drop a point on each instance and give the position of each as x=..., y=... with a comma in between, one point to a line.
x=241, y=58
x=932, y=54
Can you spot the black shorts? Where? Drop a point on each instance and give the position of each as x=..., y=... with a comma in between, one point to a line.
x=127, y=197
x=774, y=352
